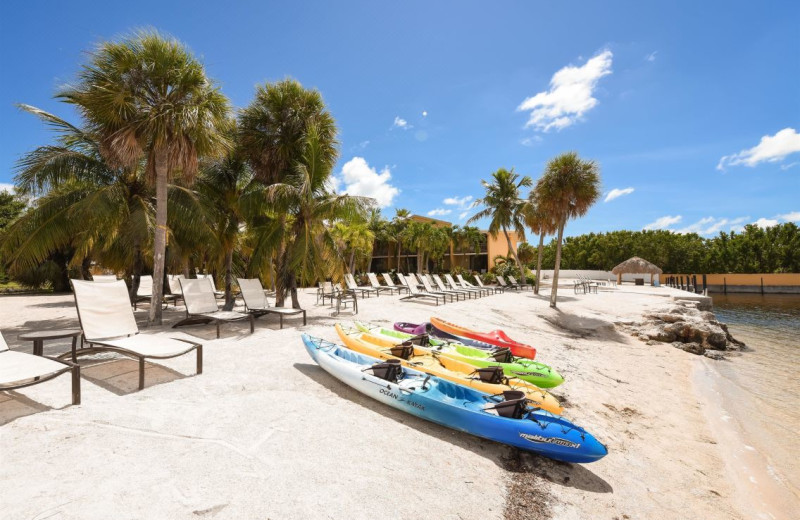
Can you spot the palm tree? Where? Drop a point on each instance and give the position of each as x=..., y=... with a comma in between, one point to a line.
x=354, y=240
x=273, y=134
x=312, y=253
x=232, y=197
x=473, y=238
x=505, y=206
x=526, y=253
x=399, y=224
x=542, y=224
x=379, y=228
x=567, y=190
x=148, y=98
x=83, y=205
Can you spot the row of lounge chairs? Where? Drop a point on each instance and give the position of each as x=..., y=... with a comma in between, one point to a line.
x=108, y=324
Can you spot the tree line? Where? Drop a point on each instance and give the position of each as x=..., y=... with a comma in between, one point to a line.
x=774, y=249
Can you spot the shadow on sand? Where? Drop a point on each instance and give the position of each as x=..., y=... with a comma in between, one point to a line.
x=510, y=459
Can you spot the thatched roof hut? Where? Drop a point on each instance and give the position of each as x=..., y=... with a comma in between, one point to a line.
x=636, y=265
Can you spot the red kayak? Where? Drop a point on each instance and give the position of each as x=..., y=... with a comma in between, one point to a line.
x=495, y=337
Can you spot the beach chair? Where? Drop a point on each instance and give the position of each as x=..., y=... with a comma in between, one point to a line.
x=373, y=281
x=145, y=292
x=104, y=278
x=442, y=286
x=390, y=283
x=343, y=299
x=107, y=322
x=436, y=282
x=325, y=290
x=465, y=284
x=255, y=301
x=428, y=288
x=220, y=295
x=472, y=291
x=414, y=293
x=20, y=369
x=502, y=282
x=514, y=282
x=352, y=286
x=495, y=289
x=201, y=306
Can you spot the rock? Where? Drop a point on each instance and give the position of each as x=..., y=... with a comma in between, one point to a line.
x=694, y=348
x=652, y=342
x=658, y=334
x=714, y=354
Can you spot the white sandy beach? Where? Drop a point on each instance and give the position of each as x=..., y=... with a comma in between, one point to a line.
x=265, y=433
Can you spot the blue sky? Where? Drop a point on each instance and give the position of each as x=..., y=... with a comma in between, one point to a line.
x=691, y=108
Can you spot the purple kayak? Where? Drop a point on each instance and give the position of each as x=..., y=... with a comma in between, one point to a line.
x=428, y=328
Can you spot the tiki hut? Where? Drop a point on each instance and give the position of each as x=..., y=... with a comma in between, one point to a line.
x=636, y=265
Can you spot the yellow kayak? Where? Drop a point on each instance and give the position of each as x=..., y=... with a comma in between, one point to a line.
x=490, y=379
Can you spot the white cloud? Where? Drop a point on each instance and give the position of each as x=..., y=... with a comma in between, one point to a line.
x=463, y=215
x=424, y=113
x=358, y=178
x=663, y=222
x=399, y=122
x=651, y=56
x=712, y=226
x=790, y=165
x=793, y=216
x=461, y=202
x=616, y=193
x=771, y=148
x=766, y=222
x=4, y=186
x=439, y=211
x=570, y=95
x=531, y=141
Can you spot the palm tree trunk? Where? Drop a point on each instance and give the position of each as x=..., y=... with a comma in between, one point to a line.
x=185, y=267
x=138, y=266
x=399, y=249
x=160, y=241
x=293, y=286
x=514, y=254
x=229, y=301
x=539, y=264
x=554, y=290
x=352, y=264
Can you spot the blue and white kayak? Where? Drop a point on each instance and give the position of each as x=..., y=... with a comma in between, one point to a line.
x=506, y=419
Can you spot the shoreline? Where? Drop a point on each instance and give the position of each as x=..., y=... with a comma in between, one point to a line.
x=638, y=399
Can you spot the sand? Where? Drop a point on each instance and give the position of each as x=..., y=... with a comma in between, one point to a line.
x=265, y=433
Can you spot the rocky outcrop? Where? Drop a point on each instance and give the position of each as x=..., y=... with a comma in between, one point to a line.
x=688, y=328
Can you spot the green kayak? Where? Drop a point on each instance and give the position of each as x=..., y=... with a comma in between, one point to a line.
x=528, y=370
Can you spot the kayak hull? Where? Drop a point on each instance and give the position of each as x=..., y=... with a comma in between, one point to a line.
x=456, y=406
x=445, y=368
x=497, y=338
x=528, y=370
x=427, y=328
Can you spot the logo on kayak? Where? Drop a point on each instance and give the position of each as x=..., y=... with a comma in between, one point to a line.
x=534, y=374
x=389, y=393
x=549, y=440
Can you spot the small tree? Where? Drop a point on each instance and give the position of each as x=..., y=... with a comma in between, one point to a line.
x=568, y=188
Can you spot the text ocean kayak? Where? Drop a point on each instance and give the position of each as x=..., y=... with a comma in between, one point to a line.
x=505, y=419
x=495, y=337
x=489, y=381
x=528, y=370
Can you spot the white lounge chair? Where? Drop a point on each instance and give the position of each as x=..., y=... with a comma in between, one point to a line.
x=439, y=284
x=255, y=301
x=201, y=306
x=414, y=293
x=390, y=283
x=145, y=292
x=504, y=285
x=20, y=369
x=352, y=286
x=485, y=291
x=495, y=289
x=107, y=321
x=513, y=281
x=373, y=281
x=472, y=291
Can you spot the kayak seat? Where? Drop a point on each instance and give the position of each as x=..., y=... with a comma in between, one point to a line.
x=389, y=370
x=502, y=355
x=492, y=374
x=513, y=404
x=404, y=350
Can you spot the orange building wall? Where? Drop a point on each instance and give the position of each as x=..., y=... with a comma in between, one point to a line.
x=770, y=279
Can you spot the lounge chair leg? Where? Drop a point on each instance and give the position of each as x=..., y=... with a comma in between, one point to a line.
x=76, y=385
x=304, y=317
x=74, y=349
x=141, y=373
x=218, y=330
x=280, y=316
x=200, y=359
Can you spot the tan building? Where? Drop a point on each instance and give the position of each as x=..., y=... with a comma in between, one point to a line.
x=384, y=255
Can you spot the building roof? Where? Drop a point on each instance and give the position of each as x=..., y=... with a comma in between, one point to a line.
x=636, y=265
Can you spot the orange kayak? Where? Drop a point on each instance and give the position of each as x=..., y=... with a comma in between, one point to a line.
x=497, y=338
